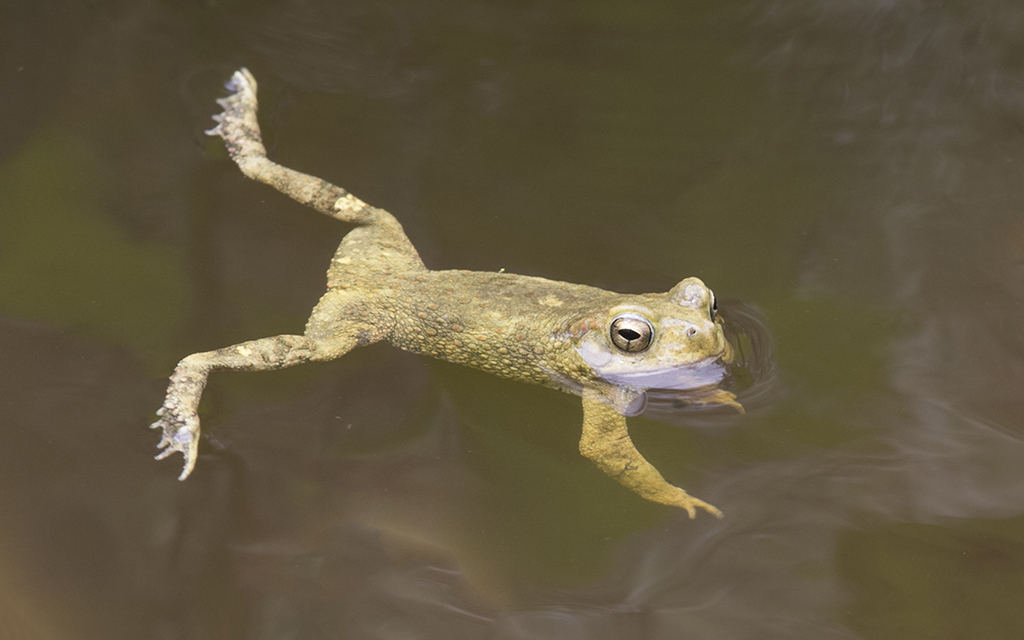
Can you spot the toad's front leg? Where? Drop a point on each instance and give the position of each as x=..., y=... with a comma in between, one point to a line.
x=606, y=442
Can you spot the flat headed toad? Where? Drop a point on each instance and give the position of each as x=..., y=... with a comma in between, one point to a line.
x=606, y=347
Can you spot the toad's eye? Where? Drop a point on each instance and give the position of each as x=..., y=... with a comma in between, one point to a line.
x=631, y=333
x=714, y=305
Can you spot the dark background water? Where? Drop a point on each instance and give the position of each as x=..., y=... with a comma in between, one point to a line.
x=855, y=170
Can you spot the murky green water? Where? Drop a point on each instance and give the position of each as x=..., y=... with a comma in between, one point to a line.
x=849, y=174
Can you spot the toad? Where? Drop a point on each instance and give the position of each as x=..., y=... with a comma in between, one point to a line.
x=606, y=347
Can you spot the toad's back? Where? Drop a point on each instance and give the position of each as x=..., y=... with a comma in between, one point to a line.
x=515, y=326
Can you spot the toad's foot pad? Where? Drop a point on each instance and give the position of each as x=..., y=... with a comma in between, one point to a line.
x=180, y=433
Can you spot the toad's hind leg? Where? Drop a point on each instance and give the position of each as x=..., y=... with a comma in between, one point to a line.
x=179, y=417
x=606, y=442
x=378, y=231
x=337, y=325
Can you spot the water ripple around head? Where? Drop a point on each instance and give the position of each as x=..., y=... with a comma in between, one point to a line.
x=752, y=375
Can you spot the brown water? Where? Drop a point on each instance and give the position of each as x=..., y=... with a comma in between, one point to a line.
x=849, y=174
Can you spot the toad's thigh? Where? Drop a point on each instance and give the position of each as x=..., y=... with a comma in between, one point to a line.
x=344, y=319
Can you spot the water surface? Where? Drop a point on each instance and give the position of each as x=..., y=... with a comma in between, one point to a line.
x=846, y=176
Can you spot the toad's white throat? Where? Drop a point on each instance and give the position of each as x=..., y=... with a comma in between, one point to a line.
x=633, y=372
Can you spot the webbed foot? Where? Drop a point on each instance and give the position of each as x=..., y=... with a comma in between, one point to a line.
x=180, y=433
x=679, y=498
x=237, y=124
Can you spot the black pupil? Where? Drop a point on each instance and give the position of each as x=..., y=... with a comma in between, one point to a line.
x=629, y=334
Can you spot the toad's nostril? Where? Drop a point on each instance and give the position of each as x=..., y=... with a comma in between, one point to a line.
x=692, y=331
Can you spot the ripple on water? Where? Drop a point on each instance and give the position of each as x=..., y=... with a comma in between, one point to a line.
x=753, y=375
